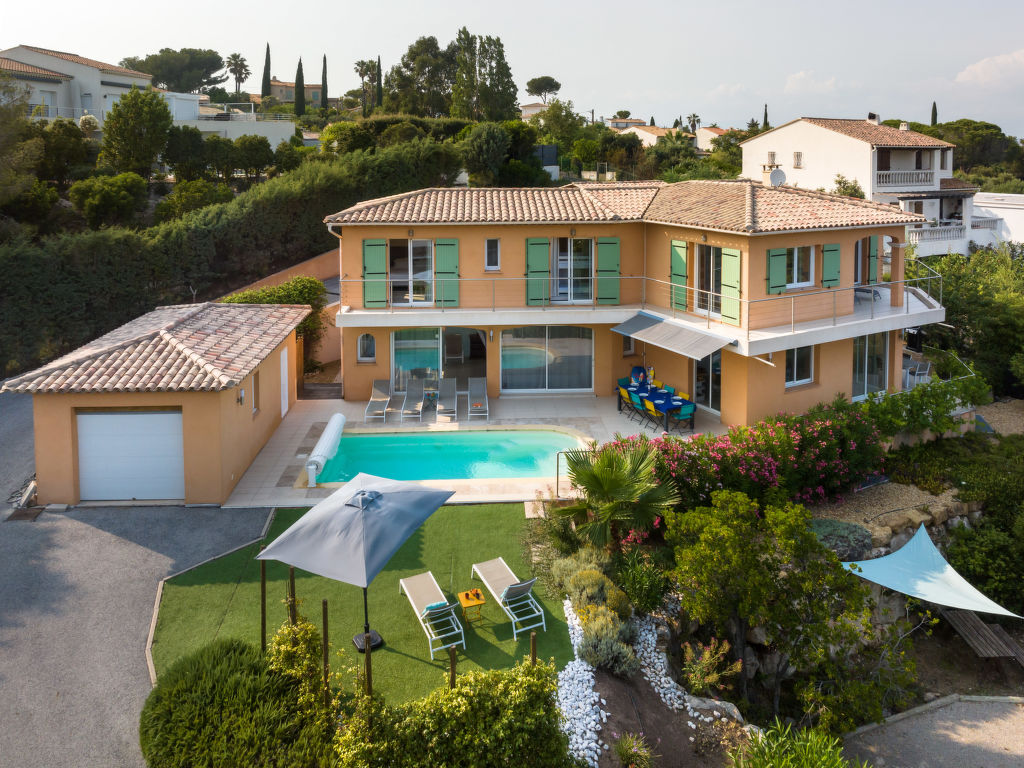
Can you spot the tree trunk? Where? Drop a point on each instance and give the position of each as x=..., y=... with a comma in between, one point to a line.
x=777, y=682
x=739, y=647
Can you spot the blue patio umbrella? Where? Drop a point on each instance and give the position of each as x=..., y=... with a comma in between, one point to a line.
x=352, y=534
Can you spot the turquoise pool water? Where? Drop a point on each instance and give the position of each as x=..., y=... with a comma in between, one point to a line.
x=448, y=455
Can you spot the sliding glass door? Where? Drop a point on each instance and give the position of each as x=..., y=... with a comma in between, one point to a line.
x=707, y=382
x=557, y=358
x=870, y=365
x=572, y=270
x=411, y=265
x=709, y=279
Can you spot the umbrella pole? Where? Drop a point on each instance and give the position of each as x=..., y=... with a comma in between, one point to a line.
x=368, y=639
x=366, y=615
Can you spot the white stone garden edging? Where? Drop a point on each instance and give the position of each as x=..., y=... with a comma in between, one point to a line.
x=577, y=699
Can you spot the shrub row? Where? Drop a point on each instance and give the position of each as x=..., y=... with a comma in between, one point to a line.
x=65, y=290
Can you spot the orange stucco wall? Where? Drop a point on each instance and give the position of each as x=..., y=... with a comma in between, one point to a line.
x=221, y=436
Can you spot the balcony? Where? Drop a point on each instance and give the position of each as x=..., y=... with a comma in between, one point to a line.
x=985, y=222
x=908, y=178
x=943, y=231
x=769, y=324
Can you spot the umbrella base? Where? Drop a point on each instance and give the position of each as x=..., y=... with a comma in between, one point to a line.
x=376, y=641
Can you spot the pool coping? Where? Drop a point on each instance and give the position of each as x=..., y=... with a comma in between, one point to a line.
x=479, y=489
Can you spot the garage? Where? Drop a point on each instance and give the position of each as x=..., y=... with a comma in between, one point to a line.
x=130, y=455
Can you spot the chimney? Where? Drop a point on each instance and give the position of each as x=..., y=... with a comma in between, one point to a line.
x=904, y=126
x=766, y=173
x=874, y=119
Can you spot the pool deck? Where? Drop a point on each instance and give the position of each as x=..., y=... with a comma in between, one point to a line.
x=273, y=478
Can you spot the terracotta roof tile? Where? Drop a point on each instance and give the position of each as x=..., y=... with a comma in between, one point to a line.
x=193, y=347
x=877, y=135
x=21, y=68
x=100, y=65
x=737, y=206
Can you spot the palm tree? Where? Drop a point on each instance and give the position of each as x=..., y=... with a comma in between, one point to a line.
x=694, y=120
x=365, y=70
x=621, y=490
x=239, y=69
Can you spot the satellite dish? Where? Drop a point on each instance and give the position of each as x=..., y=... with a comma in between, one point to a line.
x=777, y=178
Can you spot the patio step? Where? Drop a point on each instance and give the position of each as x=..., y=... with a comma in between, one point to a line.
x=312, y=391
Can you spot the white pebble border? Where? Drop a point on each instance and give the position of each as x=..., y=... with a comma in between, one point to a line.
x=579, y=702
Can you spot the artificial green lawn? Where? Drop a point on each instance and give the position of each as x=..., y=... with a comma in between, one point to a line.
x=222, y=599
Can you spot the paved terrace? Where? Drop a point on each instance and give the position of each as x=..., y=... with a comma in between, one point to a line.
x=274, y=477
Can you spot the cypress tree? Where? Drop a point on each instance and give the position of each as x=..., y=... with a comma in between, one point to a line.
x=380, y=86
x=652, y=119
x=265, y=88
x=764, y=121
x=935, y=114
x=323, y=85
x=300, y=91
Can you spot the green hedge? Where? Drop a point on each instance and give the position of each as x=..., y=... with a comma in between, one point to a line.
x=63, y=291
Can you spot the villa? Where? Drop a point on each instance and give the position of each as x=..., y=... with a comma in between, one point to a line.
x=750, y=298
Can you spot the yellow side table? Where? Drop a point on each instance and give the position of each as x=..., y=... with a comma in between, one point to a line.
x=471, y=602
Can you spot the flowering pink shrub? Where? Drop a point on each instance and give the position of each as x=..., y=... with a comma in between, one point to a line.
x=806, y=458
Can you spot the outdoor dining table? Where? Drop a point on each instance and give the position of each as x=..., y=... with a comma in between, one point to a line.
x=663, y=401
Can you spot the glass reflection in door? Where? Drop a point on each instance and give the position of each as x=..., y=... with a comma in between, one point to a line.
x=707, y=382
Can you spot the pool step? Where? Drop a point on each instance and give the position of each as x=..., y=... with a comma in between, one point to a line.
x=311, y=391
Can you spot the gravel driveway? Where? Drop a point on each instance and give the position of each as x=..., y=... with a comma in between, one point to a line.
x=76, y=598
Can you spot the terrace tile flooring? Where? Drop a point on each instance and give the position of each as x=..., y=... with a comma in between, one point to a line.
x=274, y=473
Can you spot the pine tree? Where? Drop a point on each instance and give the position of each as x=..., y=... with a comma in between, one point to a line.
x=380, y=86
x=323, y=85
x=496, y=90
x=265, y=88
x=764, y=120
x=935, y=114
x=300, y=91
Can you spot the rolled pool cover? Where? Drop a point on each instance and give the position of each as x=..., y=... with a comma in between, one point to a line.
x=325, y=448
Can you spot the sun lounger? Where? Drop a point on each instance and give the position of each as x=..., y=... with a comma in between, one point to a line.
x=447, y=400
x=478, y=398
x=380, y=397
x=436, y=615
x=514, y=596
x=413, y=406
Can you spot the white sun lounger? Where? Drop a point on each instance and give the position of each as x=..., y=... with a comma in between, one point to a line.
x=413, y=407
x=478, y=398
x=447, y=400
x=515, y=596
x=380, y=397
x=436, y=615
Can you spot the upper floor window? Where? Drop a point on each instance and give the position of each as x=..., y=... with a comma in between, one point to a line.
x=923, y=160
x=944, y=159
x=799, y=366
x=884, y=160
x=800, y=266
x=366, y=349
x=771, y=158
x=798, y=159
x=492, y=254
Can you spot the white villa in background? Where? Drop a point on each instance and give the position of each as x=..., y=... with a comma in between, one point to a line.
x=64, y=84
x=708, y=133
x=649, y=134
x=527, y=111
x=892, y=165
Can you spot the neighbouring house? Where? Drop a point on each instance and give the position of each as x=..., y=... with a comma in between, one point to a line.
x=752, y=299
x=526, y=111
x=998, y=217
x=892, y=165
x=621, y=123
x=708, y=133
x=649, y=134
x=284, y=92
x=62, y=84
x=173, y=405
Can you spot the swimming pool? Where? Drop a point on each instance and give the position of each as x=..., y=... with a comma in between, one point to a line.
x=446, y=455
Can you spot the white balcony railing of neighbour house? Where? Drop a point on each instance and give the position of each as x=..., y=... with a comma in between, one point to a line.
x=905, y=178
x=985, y=222
x=942, y=231
x=823, y=307
x=243, y=112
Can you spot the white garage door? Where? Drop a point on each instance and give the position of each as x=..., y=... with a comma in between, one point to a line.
x=130, y=455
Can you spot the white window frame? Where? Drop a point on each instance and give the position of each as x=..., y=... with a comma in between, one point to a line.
x=628, y=346
x=859, y=396
x=360, y=357
x=943, y=159
x=771, y=158
x=492, y=267
x=255, y=391
x=792, y=266
x=798, y=159
x=796, y=354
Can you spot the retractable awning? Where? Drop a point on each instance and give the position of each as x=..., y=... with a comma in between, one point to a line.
x=672, y=336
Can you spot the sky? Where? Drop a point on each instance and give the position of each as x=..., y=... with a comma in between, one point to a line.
x=720, y=59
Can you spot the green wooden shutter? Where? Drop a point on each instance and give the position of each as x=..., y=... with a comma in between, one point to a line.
x=375, y=274
x=731, y=285
x=608, y=270
x=538, y=271
x=830, y=265
x=677, y=274
x=446, y=273
x=778, y=276
x=873, y=259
